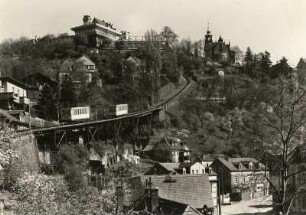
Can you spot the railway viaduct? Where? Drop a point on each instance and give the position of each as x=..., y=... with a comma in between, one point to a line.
x=134, y=127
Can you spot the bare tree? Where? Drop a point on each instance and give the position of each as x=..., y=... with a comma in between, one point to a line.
x=276, y=129
x=153, y=60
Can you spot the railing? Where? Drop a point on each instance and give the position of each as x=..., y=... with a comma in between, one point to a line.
x=155, y=107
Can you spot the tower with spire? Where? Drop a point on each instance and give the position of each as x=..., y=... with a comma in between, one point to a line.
x=217, y=51
x=208, y=46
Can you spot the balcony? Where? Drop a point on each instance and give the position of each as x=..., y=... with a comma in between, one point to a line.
x=24, y=100
x=6, y=95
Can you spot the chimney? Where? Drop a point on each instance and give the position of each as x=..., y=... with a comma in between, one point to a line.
x=86, y=20
x=152, y=200
x=120, y=197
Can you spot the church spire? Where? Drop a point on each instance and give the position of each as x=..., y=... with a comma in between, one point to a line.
x=208, y=31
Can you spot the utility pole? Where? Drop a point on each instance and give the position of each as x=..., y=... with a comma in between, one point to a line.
x=219, y=196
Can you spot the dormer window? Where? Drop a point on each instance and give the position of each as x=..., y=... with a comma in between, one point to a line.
x=240, y=166
x=251, y=166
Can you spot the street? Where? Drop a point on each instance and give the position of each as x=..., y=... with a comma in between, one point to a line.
x=255, y=206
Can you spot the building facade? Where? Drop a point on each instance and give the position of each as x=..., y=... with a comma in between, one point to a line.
x=13, y=94
x=175, y=150
x=79, y=70
x=94, y=32
x=218, y=51
x=241, y=178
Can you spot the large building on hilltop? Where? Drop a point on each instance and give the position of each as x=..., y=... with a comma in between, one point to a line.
x=95, y=31
x=218, y=51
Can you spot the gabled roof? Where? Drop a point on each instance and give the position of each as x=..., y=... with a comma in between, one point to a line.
x=227, y=164
x=242, y=160
x=193, y=190
x=177, y=208
x=66, y=66
x=8, y=116
x=233, y=164
x=170, y=166
x=86, y=61
x=13, y=81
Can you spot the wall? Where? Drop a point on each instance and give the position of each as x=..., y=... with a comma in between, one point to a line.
x=25, y=146
x=197, y=168
x=250, y=188
x=9, y=87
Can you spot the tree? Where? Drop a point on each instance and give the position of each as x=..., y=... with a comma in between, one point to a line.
x=168, y=35
x=42, y=194
x=264, y=66
x=169, y=68
x=248, y=61
x=48, y=102
x=153, y=61
x=72, y=160
x=7, y=152
x=281, y=68
x=67, y=93
x=238, y=54
x=276, y=126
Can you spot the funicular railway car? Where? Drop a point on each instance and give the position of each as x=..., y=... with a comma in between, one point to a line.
x=75, y=114
x=118, y=110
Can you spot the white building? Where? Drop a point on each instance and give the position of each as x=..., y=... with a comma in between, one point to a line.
x=13, y=94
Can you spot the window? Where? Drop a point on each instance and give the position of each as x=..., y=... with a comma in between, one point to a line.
x=203, y=171
x=197, y=171
x=236, y=180
x=192, y=171
x=251, y=166
x=303, y=177
x=240, y=166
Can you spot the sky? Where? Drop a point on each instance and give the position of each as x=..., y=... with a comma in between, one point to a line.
x=278, y=26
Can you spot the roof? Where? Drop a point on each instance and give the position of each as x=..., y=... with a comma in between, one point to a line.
x=65, y=67
x=14, y=81
x=177, y=208
x=86, y=61
x=227, y=164
x=8, y=116
x=193, y=190
x=242, y=160
x=170, y=166
x=233, y=164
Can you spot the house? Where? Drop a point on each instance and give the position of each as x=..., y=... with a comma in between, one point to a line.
x=94, y=32
x=164, y=169
x=187, y=169
x=169, y=149
x=298, y=181
x=152, y=202
x=13, y=94
x=242, y=178
x=191, y=190
x=208, y=159
x=79, y=70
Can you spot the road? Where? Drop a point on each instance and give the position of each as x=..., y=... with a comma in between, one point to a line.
x=260, y=206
